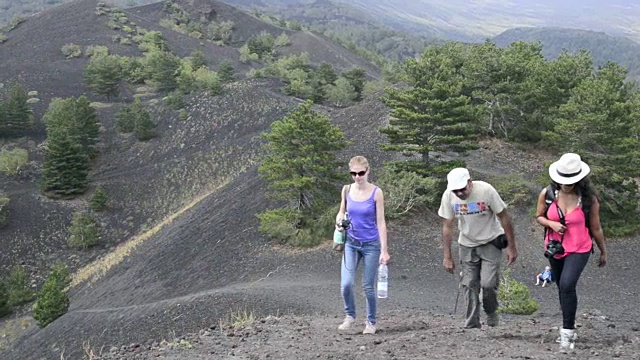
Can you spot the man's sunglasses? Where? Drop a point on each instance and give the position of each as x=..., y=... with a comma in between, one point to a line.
x=460, y=191
x=359, y=173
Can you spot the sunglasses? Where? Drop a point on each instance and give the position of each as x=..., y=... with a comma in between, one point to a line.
x=460, y=191
x=359, y=173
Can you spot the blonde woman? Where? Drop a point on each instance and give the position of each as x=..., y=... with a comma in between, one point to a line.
x=363, y=205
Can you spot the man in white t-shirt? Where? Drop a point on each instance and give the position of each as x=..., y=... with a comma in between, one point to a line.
x=483, y=223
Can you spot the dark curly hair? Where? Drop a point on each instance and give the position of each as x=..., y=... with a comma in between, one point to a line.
x=585, y=190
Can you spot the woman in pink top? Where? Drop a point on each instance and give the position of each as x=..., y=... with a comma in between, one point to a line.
x=566, y=225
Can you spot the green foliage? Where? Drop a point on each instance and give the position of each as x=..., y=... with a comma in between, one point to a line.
x=4, y=300
x=96, y=50
x=161, y=70
x=198, y=60
x=103, y=75
x=16, y=117
x=220, y=31
x=12, y=160
x=262, y=45
x=341, y=94
x=174, y=100
x=282, y=40
x=98, y=201
x=226, y=72
x=405, y=192
x=515, y=297
x=153, y=41
x=135, y=118
x=246, y=55
x=513, y=189
x=301, y=169
x=84, y=231
x=53, y=300
x=72, y=136
x=357, y=78
x=18, y=287
x=71, y=51
x=143, y=129
x=4, y=210
x=433, y=115
x=279, y=224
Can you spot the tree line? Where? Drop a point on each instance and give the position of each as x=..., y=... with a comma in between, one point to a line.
x=453, y=95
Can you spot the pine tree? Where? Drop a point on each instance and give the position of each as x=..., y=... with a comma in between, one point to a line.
x=342, y=93
x=103, y=75
x=84, y=231
x=143, y=126
x=226, y=72
x=99, y=199
x=125, y=120
x=357, y=78
x=53, y=300
x=431, y=116
x=65, y=168
x=77, y=119
x=16, y=116
x=161, y=68
x=300, y=166
x=198, y=60
x=18, y=286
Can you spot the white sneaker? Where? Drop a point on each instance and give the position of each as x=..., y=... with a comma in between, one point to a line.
x=567, y=340
x=346, y=324
x=369, y=329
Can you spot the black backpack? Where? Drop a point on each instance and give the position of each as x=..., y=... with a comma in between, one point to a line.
x=550, y=196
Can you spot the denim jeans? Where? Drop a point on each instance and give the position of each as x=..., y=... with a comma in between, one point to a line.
x=354, y=251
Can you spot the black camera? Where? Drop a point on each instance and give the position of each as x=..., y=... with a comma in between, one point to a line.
x=554, y=247
x=345, y=223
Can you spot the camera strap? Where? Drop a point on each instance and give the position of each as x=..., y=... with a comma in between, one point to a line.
x=562, y=221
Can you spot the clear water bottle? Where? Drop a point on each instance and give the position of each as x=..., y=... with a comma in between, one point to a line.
x=383, y=278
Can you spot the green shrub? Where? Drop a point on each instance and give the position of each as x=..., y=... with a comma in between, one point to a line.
x=71, y=50
x=12, y=160
x=514, y=297
x=98, y=200
x=174, y=100
x=84, y=230
x=5, y=308
x=406, y=191
x=53, y=300
x=279, y=224
x=183, y=115
x=513, y=189
x=18, y=287
x=4, y=210
x=96, y=50
x=282, y=40
x=3, y=38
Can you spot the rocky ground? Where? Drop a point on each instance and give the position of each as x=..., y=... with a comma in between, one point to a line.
x=400, y=336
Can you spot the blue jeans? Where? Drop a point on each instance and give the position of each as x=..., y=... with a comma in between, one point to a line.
x=354, y=251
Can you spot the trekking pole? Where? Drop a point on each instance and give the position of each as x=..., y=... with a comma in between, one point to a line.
x=455, y=307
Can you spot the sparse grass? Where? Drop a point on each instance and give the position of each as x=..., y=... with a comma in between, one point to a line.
x=100, y=267
x=175, y=343
x=513, y=189
x=238, y=319
x=12, y=160
x=11, y=329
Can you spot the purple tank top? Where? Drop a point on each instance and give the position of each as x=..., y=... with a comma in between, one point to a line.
x=363, y=218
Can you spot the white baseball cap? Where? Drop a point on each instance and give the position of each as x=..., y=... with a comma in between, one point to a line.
x=457, y=179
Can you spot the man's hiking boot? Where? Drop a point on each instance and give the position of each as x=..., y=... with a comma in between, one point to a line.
x=369, y=329
x=567, y=340
x=346, y=324
x=493, y=319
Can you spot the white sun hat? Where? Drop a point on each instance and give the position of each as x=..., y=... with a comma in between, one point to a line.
x=569, y=169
